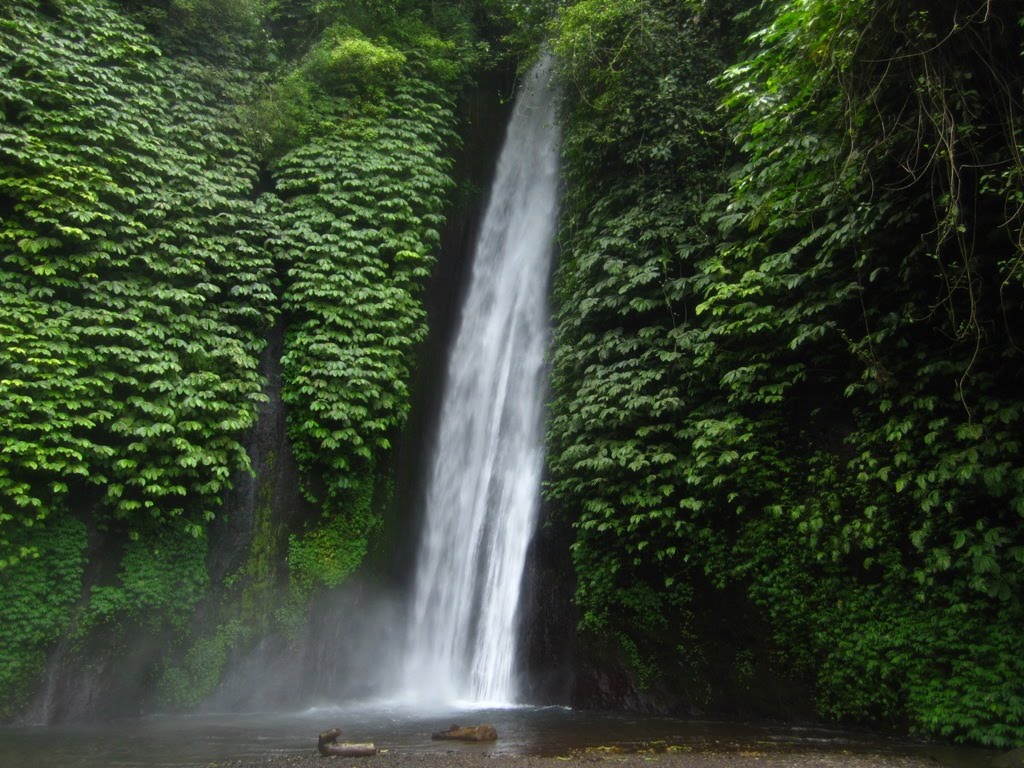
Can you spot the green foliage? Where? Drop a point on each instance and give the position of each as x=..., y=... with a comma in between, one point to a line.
x=359, y=228
x=445, y=51
x=801, y=373
x=345, y=61
x=40, y=592
x=906, y=341
x=362, y=206
x=139, y=278
x=646, y=670
x=136, y=293
x=521, y=25
x=136, y=284
x=140, y=274
x=641, y=119
x=161, y=578
x=252, y=587
x=283, y=116
x=188, y=685
x=360, y=56
x=301, y=22
x=213, y=27
x=328, y=552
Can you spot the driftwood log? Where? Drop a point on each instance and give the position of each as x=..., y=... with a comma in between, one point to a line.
x=329, y=746
x=468, y=733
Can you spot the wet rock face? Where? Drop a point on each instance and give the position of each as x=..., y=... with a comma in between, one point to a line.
x=274, y=484
x=102, y=677
x=547, y=620
x=612, y=686
x=716, y=659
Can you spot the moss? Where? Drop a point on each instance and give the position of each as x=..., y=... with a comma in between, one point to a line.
x=162, y=576
x=260, y=571
x=190, y=683
x=328, y=552
x=254, y=602
x=37, y=598
x=243, y=610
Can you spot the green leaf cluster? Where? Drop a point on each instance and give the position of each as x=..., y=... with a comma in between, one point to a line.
x=238, y=612
x=137, y=286
x=360, y=52
x=145, y=250
x=216, y=28
x=787, y=353
x=362, y=204
x=137, y=289
x=346, y=61
x=641, y=119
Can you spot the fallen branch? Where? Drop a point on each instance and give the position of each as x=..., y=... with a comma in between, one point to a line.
x=329, y=746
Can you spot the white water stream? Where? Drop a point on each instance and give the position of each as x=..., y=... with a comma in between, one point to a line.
x=483, y=490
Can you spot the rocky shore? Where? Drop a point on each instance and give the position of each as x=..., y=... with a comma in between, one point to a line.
x=592, y=758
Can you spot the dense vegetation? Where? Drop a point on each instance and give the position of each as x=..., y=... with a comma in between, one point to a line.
x=788, y=350
x=135, y=293
x=787, y=359
x=174, y=178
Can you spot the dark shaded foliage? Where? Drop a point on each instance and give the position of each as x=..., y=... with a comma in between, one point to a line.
x=801, y=373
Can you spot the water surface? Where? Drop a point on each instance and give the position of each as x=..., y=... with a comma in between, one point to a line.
x=197, y=740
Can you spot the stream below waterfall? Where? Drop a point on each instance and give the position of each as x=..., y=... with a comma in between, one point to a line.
x=197, y=740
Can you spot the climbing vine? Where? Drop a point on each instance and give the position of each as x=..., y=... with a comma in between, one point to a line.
x=136, y=293
x=136, y=282
x=362, y=204
x=359, y=229
x=797, y=371
x=172, y=181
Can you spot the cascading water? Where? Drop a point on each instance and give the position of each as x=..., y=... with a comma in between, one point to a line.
x=483, y=491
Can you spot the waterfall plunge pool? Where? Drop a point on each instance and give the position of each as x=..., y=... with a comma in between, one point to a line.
x=199, y=740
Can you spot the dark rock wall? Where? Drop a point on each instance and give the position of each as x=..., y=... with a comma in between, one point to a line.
x=484, y=117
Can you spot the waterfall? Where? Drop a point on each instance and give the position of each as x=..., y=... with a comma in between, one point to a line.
x=483, y=489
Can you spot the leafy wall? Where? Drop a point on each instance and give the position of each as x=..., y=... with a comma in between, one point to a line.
x=788, y=349
x=787, y=357
x=174, y=179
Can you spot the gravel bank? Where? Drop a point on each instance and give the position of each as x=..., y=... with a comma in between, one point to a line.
x=594, y=758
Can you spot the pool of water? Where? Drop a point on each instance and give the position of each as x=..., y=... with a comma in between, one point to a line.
x=195, y=740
